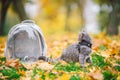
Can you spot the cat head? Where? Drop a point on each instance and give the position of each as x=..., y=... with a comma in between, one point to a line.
x=84, y=36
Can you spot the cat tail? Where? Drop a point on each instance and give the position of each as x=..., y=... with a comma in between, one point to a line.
x=48, y=59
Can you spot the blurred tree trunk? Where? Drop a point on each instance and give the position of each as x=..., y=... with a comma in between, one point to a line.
x=68, y=10
x=114, y=19
x=4, y=7
x=81, y=5
x=19, y=9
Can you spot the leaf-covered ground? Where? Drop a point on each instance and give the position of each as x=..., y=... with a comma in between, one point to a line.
x=105, y=61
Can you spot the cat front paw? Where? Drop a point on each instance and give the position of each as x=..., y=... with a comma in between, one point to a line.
x=81, y=65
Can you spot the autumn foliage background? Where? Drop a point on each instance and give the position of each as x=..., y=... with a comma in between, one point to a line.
x=61, y=27
x=105, y=61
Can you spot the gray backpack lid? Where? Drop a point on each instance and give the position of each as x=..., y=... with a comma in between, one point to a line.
x=25, y=40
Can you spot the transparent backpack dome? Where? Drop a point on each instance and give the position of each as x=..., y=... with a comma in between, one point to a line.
x=25, y=41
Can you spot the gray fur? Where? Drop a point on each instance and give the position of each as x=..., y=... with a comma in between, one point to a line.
x=77, y=52
x=25, y=41
x=71, y=54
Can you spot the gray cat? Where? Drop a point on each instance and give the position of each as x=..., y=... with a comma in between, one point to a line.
x=79, y=52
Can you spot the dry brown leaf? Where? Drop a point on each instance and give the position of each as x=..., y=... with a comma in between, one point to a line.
x=97, y=75
x=105, y=54
x=117, y=57
x=25, y=78
x=39, y=64
x=12, y=63
x=45, y=66
x=29, y=65
x=1, y=50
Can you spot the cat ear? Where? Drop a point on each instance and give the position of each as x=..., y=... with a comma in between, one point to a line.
x=84, y=32
x=81, y=35
x=85, y=36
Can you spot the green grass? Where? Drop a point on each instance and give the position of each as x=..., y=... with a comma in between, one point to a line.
x=68, y=68
x=52, y=75
x=102, y=47
x=98, y=60
x=75, y=77
x=11, y=73
x=108, y=75
x=37, y=71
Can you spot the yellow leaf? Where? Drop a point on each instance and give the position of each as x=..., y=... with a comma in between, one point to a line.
x=64, y=77
x=22, y=72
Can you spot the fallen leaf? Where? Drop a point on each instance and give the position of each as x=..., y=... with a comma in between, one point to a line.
x=97, y=74
x=45, y=66
x=12, y=63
